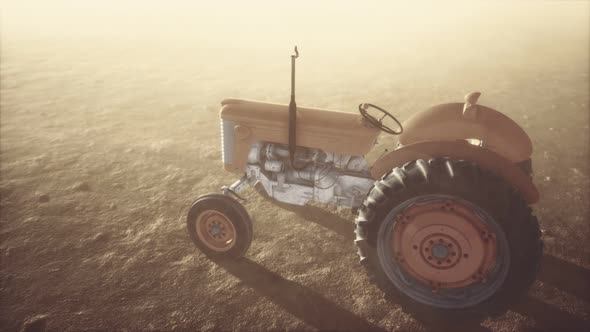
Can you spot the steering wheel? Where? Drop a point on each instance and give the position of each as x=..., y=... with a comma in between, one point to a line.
x=363, y=109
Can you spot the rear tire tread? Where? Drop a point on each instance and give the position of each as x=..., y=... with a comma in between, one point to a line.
x=468, y=181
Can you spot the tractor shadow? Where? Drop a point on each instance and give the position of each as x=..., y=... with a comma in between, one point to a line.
x=567, y=277
x=301, y=301
x=561, y=274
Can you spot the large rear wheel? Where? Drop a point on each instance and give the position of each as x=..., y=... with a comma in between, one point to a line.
x=450, y=242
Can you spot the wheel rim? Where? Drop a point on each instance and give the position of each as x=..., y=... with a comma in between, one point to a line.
x=215, y=230
x=443, y=251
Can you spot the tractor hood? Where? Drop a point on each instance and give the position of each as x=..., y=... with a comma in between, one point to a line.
x=331, y=131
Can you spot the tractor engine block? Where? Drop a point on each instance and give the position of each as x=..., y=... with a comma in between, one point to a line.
x=317, y=175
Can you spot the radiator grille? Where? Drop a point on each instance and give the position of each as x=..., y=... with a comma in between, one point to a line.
x=227, y=141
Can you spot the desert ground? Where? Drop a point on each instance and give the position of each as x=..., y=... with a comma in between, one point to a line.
x=109, y=130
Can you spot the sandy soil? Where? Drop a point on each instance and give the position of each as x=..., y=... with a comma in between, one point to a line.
x=105, y=143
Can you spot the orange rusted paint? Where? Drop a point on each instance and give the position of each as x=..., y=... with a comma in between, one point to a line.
x=331, y=131
x=443, y=244
x=459, y=121
x=215, y=230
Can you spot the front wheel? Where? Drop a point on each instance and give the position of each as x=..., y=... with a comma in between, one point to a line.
x=449, y=241
x=219, y=226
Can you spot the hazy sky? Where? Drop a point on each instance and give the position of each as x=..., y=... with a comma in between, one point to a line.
x=366, y=36
x=362, y=25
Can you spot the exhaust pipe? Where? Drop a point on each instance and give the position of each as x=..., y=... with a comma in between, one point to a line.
x=293, y=112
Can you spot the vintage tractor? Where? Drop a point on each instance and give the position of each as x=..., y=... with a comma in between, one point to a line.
x=443, y=220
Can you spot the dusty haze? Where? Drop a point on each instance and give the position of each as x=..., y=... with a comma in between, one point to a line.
x=435, y=44
x=109, y=130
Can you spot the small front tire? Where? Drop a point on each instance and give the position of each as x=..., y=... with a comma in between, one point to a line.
x=219, y=226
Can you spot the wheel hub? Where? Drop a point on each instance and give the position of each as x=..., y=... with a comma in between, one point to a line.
x=440, y=251
x=443, y=244
x=215, y=230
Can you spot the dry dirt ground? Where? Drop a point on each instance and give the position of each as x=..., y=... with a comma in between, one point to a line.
x=104, y=145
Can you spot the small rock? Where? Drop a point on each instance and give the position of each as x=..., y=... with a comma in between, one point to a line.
x=31, y=219
x=42, y=197
x=112, y=206
x=81, y=186
x=100, y=237
x=36, y=323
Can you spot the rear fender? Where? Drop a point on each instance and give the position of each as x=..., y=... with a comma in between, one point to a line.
x=454, y=121
x=460, y=150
